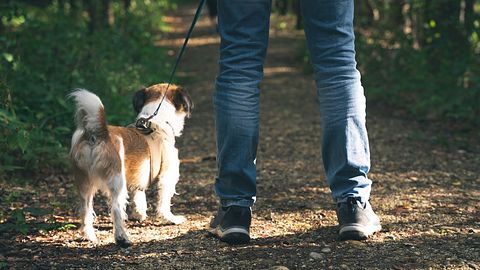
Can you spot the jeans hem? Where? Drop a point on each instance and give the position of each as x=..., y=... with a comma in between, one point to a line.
x=241, y=202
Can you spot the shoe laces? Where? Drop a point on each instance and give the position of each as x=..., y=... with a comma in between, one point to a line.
x=353, y=203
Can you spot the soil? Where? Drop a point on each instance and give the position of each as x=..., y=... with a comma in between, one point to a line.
x=426, y=185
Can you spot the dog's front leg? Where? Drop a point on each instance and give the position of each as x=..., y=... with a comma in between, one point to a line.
x=166, y=190
x=119, y=196
x=139, y=211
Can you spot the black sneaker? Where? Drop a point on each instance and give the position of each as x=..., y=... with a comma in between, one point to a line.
x=232, y=224
x=357, y=220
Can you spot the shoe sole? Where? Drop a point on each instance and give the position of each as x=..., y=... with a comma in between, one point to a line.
x=357, y=231
x=232, y=236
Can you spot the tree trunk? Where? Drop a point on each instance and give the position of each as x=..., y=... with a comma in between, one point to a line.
x=448, y=39
x=298, y=13
x=281, y=6
x=126, y=5
x=469, y=16
x=363, y=13
x=105, y=13
x=396, y=12
x=61, y=7
x=2, y=27
x=75, y=9
x=92, y=16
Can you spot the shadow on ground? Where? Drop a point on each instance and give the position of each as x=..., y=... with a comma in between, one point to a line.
x=426, y=187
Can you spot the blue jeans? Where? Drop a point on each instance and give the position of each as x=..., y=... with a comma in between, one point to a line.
x=243, y=27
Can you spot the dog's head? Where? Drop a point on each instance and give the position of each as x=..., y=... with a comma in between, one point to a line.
x=154, y=94
x=175, y=107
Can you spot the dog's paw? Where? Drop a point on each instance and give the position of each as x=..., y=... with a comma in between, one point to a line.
x=123, y=242
x=176, y=219
x=89, y=235
x=137, y=216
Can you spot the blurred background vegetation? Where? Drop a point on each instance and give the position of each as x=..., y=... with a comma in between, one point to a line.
x=48, y=48
x=422, y=56
x=417, y=56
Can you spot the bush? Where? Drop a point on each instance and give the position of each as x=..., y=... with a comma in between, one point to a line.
x=421, y=56
x=46, y=52
x=429, y=87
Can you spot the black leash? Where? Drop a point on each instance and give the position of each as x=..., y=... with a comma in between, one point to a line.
x=143, y=124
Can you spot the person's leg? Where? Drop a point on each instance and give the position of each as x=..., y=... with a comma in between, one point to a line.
x=345, y=148
x=243, y=27
x=329, y=30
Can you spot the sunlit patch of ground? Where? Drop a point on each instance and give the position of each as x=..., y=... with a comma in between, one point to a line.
x=426, y=186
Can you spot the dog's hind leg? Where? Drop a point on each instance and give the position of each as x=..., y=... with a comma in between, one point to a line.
x=119, y=195
x=86, y=190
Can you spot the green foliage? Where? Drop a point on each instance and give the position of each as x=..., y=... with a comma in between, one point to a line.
x=407, y=78
x=11, y=197
x=17, y=221
x=419, y=56
x=431, y=70
x=46, y=52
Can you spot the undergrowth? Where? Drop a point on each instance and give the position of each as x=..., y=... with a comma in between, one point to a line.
x=45, y=54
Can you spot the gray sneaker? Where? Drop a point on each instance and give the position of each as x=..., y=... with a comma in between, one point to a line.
x=232, y=224
x=357, y=220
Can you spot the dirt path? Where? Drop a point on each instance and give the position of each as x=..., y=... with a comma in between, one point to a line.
x=426, y=187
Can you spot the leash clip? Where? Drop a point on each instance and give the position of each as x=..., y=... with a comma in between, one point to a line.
x=144, y=125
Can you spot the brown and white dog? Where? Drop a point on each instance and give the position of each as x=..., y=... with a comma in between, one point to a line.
x=122, y=160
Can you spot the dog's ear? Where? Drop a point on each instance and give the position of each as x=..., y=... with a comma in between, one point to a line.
x=139, y=99
x=182, y=101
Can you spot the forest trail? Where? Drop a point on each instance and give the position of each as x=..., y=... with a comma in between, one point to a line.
x=426, y=185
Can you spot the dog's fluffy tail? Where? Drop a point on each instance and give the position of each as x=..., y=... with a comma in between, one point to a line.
x=90, y=114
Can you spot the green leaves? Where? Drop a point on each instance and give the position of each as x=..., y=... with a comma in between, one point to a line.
x=17, y=221
x=425, y=59
x=37, y=212
x=45, y=54
x=8, y=57
x=23, y=140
